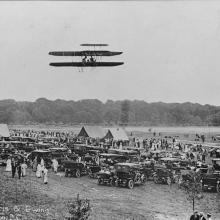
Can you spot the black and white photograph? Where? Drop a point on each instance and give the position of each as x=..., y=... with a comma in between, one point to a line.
x=110, y=110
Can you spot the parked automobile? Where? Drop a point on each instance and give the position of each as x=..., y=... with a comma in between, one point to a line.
x=93, y=170
x=161, y=175
x=111, y=159
x=74, y=168
x=106, y=177
x=45, y=154
x=211, y=182
x=129, y=174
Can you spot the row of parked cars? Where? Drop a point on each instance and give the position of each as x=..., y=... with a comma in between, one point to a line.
x=122, y=172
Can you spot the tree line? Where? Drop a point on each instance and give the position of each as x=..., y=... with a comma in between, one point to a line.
x=93, y=111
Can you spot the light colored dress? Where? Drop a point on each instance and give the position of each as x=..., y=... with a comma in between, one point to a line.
x=45, y=176
x=8, y=165
x=39, y=171
x=42, y=162
x=55, y=165
x=23, y=169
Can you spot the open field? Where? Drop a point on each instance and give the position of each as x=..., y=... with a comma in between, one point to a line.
x=181, y=133
x=180, y=130
x=149, y=202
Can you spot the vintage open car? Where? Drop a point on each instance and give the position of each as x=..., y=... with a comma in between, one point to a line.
x=211, y=182
x=93, y=170
x=162, y=175
x=148, y=169
x=74, y=168
x=45, y=154
x=129, y=174
x=61, y=157
x=108, y=159
x=106, y=177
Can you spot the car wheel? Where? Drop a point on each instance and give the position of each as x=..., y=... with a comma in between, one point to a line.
x=130, y=184
x=90, y=174
x=111, y=182
x=155, y=179
x=78, y=174
x=99, y=181
x=143, y=178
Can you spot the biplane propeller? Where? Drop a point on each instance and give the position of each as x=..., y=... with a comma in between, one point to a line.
x=86, y=62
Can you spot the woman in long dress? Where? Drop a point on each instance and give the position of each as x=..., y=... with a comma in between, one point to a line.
x=55, y=165
x=45, y=171
x=8, y=165
x=23, y=169
x=39, y=171
x=34, y=164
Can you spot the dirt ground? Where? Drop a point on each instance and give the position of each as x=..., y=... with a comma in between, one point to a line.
x=150, y=201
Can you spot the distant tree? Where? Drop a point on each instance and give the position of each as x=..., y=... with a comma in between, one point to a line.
x=125, y=107
x=215, y=119
x=193, y=188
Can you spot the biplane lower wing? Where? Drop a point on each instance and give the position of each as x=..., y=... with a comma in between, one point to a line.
x=84, y=53
x=87, y=64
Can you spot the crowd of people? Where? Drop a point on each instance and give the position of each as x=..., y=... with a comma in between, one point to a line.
x=19, y=166
x=197, y=154
x=200, y=216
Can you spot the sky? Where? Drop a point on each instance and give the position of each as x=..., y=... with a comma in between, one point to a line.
x=171, y=50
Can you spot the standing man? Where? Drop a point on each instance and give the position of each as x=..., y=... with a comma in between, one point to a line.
x=55, y=165
x=195, y=216
x=23, y=169
x=209, y=216
x=13, y=166
x=45, y=171
x=19, y=169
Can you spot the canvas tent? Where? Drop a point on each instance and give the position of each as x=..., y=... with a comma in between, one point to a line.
x=117, y=134
x=4, y=131
x=92, y=132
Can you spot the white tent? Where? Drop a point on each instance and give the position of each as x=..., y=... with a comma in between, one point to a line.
x=92, y=132
x=4, y=131
x=117, y=134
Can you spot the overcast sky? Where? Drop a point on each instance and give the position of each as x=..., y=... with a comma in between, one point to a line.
x=171, y=50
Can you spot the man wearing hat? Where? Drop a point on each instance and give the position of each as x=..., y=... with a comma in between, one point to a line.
x=195, y=216
x=209, y=216
x=202, y=216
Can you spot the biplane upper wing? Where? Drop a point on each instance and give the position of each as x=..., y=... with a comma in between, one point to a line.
x=94, y=45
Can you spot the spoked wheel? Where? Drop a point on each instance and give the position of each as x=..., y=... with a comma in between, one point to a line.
x=99, y=181
x=111, y=182
x=90, y=174
x=155, y=179
x=130, y=184
x=143, y=178
x=66, y=173
x=78, y=174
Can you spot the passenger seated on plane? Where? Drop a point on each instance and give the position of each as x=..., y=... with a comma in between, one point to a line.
x=84, y=59
x=92, y=60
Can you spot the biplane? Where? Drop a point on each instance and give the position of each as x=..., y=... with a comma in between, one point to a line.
x=89, y=57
